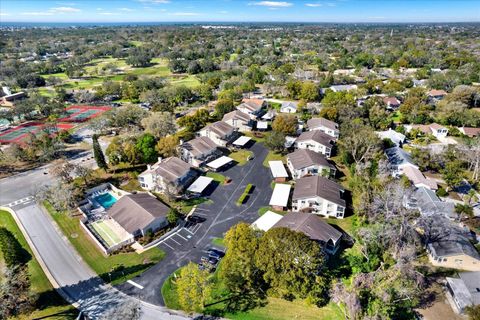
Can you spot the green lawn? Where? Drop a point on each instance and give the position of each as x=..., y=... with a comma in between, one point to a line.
x=49, y=302
x=121, y=266
x=233, y=57
x=241, y=156
x=272, y=156
x=219, y=242
x=220, y=178
x=275, y=309
x=347, y=224
x=189, y=81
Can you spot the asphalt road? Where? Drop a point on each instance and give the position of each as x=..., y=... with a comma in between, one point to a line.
x=191, y=242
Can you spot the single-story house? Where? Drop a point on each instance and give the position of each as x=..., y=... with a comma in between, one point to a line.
x=252, y=107
x=198, y=151
x=317, y=141
x=167, y=175
x=434, y=129
x=139, y=213
x=392, y=103
x=455, y=251
x=280, y=196
x=343, y=87
x=329, y=127
x=219, y=132
x=418, y=179
x=463, y=291
x=303, y=162
x=239, y=120
x=436, y=94
x=314, y=228
x=396, y=137
x=398, y=159
x=319, y=195
x=428, y=203
x=278, y=171
x=470, y=132
x=288, y=107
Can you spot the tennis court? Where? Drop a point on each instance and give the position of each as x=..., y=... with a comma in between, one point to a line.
x=110, y=231
x=21, y=132
x=82, y=113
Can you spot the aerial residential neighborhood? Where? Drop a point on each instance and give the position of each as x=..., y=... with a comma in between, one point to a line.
x=267, y=160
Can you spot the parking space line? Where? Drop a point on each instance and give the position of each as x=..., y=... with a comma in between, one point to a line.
x=167, y=245
x=178, y=234
x=174, y=241
x=189, y=231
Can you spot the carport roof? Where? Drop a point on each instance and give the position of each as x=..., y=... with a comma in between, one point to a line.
x=278, y=169
x=266, y=221
x=220, y=162
x=200, y=184
x=262, y=125
x=243, y=140
x=280, y=195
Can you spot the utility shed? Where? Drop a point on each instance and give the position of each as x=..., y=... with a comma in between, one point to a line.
x=278, y=170
x=280, y=196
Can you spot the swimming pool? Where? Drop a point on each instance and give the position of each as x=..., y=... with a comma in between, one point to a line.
x=106, y=200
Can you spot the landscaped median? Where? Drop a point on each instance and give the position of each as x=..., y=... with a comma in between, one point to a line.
x=115, y=268
x=49, y=302
x=245, y=194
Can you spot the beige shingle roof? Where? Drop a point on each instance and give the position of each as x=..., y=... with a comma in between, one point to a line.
x=303, y=158
x=172, y=168
x=319, y=122
x=313, y=186
x=317, y=136
x=199, y=146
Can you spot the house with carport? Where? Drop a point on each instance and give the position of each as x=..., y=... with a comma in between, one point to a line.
x=304, y=162
x=316, y=141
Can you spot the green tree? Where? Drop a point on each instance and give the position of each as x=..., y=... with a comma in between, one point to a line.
x=222, y=107
x=473, y=312
x=285, y=123
x=452, y=174
x=167, y=146
x=291, y=264
x=98, y=153
x=159, y=124
x=309, y=92
x=193, y=287
x=275, y=141
x=146, y=145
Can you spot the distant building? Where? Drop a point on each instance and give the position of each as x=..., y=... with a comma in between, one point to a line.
x=470, y=132
x=198, y=151
x=167, y=175
x=329, y=127
x=10, y=99
x=392, y=103
x=316, y=141
x=396, y=137
x=239, y=120
x=463, y=291
x=428, y=203
x=252, y=107
x=304, y=162
x=398, y=159
x=319, y=195
x=434, y=129
x=288, y=107
x=436, y=94
x=343, y=87
x=219, y=132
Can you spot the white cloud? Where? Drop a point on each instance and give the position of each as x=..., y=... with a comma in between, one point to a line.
x=313, y=5
x=184, y=14
x=37, y=13
x=155, y=1
x=64, y=10
x=99, y=9
x=125, y=9
x=223, y=12
x=4, y=14
x=108, y=13
x=273, y=4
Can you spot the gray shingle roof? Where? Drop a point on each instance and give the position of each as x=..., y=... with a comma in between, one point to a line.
x=172, y=168
x=237, y=115
x=313, y=186
x=199, y=146
x=317, y=136
x=398, y=156
x=220, y=128
x=454, y=244
x=136, y=211
x=322, y=122
x=303, y=158
x=311, y=225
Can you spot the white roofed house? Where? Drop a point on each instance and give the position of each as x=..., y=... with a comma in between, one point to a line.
x=329, y=127
x=239, y=120
x=171, y=175
x=434, y=129
x=219, y=132
x=304, y=162
x=252, y=107
x=288, y=107
x=418, y=179
x=343, y=87
x=463, y=291
x=198, y=151
x=398, y=159
x=316, y=141
x=319, y=195
x=396, y=137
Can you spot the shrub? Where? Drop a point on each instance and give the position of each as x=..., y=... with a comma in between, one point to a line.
x=13, y=252
x=442, y=192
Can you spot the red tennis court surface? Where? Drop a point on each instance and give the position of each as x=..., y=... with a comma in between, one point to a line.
x=21, y=132
x=82, y=113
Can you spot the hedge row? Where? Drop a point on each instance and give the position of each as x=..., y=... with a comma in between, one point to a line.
x=13, y=252
x=245, y=194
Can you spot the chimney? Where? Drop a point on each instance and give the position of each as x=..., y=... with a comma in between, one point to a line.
x=149, y=167
x=159, y=159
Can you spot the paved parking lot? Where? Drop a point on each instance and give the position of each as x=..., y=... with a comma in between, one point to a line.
x=192, y=241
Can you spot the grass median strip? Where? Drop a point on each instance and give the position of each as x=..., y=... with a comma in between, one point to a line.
x=245, y=194
x=116, y=268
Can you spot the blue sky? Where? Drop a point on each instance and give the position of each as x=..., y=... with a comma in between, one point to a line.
x=239, y=10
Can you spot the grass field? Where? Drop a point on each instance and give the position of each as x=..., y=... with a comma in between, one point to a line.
x=241, y=156
x=49, y=303
x=272, y=156
x=121, y=266
x=218, y=177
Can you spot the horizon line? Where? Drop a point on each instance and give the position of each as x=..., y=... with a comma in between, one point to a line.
x=253, y=21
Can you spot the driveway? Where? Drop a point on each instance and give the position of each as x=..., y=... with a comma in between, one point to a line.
x=191, y=241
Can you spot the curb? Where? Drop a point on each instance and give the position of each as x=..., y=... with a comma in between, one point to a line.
x=44, y=267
